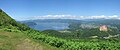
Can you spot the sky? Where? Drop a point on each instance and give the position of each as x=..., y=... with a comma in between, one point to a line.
x=21, y=9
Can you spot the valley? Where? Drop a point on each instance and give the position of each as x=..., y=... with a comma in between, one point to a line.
x=67, y=34
x=72, y=29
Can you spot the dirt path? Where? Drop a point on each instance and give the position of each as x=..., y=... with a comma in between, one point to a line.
x=17, y=41
x=27, y=44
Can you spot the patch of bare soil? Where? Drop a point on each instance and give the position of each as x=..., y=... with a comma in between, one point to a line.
x=27, y=44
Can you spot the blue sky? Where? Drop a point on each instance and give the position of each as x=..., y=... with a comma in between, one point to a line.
x=19, y=9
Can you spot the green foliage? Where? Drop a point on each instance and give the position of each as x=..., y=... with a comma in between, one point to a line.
x=74, y=45
x=55, y=33
x=11, y=30
x=7, y=21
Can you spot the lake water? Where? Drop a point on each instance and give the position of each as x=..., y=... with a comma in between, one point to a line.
x=50, y=26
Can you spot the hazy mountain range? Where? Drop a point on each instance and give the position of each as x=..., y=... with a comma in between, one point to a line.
x=61, y=24
x=70, y=17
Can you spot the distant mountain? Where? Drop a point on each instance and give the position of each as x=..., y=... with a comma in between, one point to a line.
x=53, y=20
x=70, y=23
x=29, y=23
x=75, y=17
x=50, y=24
x=93, y=23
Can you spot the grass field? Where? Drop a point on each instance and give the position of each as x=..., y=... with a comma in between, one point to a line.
x=19, y=41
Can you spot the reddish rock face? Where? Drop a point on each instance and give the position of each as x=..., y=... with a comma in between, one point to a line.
x=103, y=28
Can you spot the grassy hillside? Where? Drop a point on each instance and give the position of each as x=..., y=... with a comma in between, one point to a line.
x=13, y=36
x=20, y=41
x=7, y=22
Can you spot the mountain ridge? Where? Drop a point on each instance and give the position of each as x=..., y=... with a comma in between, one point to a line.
x=73, y=17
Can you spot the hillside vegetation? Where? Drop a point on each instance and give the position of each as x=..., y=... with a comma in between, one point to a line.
x=15, y=36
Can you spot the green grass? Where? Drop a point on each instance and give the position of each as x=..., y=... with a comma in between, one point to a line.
x=20, y=41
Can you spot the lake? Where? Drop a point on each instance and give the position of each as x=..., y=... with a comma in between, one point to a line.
x=50, y=26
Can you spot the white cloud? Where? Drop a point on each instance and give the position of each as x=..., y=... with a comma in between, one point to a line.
x=75, y=17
